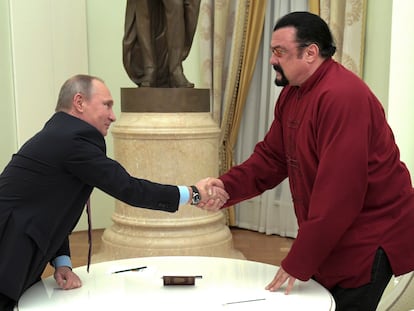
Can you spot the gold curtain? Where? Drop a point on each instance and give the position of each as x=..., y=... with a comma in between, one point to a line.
x=347, y=21
x=234, y=103
x=217, y=29
x=314, y=6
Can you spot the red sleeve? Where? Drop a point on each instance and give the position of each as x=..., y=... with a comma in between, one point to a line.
x=263, y=170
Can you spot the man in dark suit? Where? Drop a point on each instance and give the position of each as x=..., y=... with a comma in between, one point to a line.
x=45, y=186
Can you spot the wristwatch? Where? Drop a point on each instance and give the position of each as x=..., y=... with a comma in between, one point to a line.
x=196, y=198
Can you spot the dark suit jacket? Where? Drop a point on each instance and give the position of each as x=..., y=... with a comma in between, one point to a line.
x=43, y=191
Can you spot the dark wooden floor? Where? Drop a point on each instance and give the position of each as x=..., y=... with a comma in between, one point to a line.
x=254, y=246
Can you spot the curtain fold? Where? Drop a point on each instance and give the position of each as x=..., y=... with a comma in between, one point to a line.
x=218, y=31
x=229, y=33
x=313, y=6
x=234, y=106
x=347, y=21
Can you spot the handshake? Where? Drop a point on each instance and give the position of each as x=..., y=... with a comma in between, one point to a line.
x=213, y=196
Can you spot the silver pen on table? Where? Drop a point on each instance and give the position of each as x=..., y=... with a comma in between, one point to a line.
x=243, y=301
x=128, y=270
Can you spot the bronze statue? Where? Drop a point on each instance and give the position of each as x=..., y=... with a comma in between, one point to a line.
x=157, y=39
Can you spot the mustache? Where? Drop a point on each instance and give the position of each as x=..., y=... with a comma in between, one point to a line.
x=282, y=81
x=278, y=68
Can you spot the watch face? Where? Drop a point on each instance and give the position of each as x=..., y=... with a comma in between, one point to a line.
x=196, y=196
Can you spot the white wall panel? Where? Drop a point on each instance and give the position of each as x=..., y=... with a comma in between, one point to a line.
x=49, y=44
x=8, y=120
x=401, y=87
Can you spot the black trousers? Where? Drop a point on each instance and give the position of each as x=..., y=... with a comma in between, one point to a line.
x=366, y=297
x=6, y=303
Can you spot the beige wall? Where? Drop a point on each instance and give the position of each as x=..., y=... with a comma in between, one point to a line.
x=389, y=69
x=401, y=86
x=7, y=125
x=377, y=48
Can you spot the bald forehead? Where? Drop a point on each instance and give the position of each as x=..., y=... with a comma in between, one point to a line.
x=99, y=87
x=97, y=84
x=101, y=90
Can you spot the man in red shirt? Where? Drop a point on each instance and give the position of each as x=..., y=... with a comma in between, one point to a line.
x=352, y=195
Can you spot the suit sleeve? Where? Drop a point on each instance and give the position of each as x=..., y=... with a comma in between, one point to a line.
x=89, y=163
x=64, y=250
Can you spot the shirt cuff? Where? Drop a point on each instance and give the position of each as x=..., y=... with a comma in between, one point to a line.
x=184, y=194
x=62, y=261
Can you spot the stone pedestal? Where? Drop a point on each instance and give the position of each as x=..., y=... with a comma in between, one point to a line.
x=166, y=136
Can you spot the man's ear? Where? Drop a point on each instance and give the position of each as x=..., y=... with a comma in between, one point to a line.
x=312, y=52
x=78, y=102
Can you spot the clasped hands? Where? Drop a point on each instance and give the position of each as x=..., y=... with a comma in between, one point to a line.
x=212, y=192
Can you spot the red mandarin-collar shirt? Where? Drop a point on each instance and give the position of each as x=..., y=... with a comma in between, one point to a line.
x=351, y=192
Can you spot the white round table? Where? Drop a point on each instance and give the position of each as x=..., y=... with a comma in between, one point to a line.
x=225, y=284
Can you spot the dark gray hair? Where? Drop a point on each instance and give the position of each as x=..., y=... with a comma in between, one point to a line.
x=76, y=84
